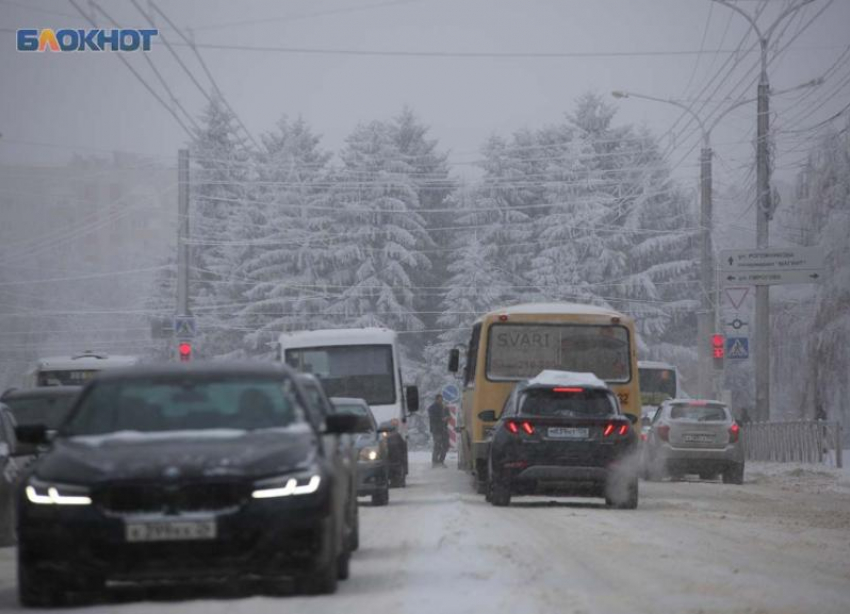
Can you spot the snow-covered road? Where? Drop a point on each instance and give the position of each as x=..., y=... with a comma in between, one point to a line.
x=780, y=543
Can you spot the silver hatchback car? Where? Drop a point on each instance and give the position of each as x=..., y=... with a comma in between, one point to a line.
x=694, y=436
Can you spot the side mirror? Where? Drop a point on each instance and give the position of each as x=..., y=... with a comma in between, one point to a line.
x=454, y=360
x=33, y=434
x=340, y=424
x=632, y=418
x=488, y=415
x=412, y=398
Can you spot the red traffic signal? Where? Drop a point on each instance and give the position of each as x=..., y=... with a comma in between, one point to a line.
x=185, y=351
x=717, y=346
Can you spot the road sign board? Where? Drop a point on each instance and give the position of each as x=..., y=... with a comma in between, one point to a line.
x=737, y=348
x=451, y=393
x=769, y=278
x=736, y=296
x=736, y=325
x=772, y=259
x=184, y=327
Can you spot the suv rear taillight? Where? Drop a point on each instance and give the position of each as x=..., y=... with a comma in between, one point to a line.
x=734, y=431
x=663, y=432
x=515, y=426
x=620, y=428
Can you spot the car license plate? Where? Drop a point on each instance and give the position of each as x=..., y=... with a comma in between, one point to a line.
x=560, y=432
x=170, y=530
x=699, y=438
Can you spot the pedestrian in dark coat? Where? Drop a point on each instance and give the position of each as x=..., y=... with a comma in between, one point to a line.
x=438, y=419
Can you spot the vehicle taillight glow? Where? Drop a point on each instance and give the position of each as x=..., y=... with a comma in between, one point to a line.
x=608, y=430
x=528, y=428
x=643, y=436
x=663, y=432
x=623, y=429
x=512, y=427
x=734, y=431
x=571, y=389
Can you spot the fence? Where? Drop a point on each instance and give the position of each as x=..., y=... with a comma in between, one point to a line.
x=794, y=442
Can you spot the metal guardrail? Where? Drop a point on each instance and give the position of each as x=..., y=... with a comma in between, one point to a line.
x=801, y=441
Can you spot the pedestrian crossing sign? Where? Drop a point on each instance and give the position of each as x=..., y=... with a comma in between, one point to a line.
x=737, y=348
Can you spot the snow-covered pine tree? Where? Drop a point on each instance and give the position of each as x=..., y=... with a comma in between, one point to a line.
x=618, y=232
x=378, y=251
x=430, y=174
x=290, y=268
x=220, y=193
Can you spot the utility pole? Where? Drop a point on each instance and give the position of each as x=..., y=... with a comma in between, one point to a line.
x=764, y=211
x=707, y=378
x=182, y=235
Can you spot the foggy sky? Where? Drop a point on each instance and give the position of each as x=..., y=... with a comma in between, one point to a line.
x=90, y=101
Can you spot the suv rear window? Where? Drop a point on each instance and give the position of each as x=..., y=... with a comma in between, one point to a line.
x=700, y=413
x=547, y=402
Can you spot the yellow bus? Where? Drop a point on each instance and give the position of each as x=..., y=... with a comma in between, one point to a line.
x=515, y=343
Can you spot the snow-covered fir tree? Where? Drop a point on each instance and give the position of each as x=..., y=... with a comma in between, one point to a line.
x=290, y=270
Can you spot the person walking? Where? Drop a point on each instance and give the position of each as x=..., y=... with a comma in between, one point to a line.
x=438, y=418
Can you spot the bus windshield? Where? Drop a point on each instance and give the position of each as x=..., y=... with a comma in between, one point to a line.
x=657, y=385
x=519, y=351
x=359, y=371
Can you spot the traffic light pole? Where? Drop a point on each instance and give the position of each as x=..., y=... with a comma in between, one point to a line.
x=182, y=235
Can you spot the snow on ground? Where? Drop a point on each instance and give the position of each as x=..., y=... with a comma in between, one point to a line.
x=780, y=543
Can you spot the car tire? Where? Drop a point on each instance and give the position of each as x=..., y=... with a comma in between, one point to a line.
x=7, y=522
x=627, y=500
x=354, y=539
x=343, y=564
x=325, y=578
x=398, y=479
x=499, y=494
x=734, y=474
x=381, y=498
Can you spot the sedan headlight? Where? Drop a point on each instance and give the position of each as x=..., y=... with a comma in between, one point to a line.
x=43, y=493
x=369, y=453
x=287, y=486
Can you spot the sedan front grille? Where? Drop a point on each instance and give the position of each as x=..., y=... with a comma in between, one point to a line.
x=170, y=498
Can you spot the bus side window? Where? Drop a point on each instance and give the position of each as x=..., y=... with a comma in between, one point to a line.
x=472, y=357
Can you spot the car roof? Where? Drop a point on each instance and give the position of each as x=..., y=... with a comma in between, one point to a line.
x=348, y=401
x=41, y=392
x=551, y=378
x=198, y=369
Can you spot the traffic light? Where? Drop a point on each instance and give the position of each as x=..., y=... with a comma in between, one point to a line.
x=718, y=350
x=185, y=351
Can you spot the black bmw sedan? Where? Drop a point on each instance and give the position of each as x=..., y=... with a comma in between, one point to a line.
x=183, y=471
x=562, y=433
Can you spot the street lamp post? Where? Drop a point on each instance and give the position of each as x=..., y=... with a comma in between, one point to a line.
x=764, y=210
x=707, y=316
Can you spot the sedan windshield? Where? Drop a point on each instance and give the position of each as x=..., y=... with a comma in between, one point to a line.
x=172, y=405
x=548, y=402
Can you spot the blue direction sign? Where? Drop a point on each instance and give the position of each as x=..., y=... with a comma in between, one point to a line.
x=184, y=327
x=737, y=348
x=451, y=393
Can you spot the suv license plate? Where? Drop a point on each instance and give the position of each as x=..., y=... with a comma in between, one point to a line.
x=171, y=530
x=560, y=432
x=699, y=438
